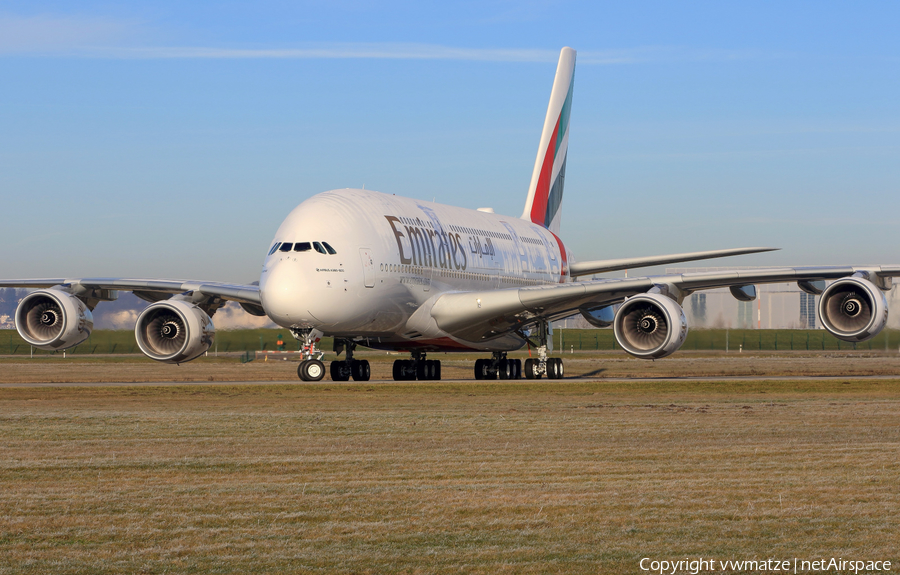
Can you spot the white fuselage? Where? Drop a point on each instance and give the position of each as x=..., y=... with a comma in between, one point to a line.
x=393, y=256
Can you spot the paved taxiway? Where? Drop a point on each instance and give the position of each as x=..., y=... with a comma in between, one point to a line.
x=445, y=381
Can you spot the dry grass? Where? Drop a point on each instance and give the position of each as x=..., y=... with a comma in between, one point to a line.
x=515, y=477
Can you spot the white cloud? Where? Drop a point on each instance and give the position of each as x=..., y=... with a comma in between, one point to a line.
x=124, y=319
x=107, y=38
x=58, y=34
x=232, y=316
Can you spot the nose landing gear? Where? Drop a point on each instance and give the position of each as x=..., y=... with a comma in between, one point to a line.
x=417, y=368
x=311, y=367
x=358, y=369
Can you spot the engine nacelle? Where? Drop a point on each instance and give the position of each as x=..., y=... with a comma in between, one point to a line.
x=853, y=309
x=174, y=331
x=650, y=326
x=52, y=319
x=599, y=316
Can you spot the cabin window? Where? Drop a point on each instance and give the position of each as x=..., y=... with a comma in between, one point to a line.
x=286, y=247
x=330, y=249
x=302, y=247
x=319, y=248
x=275, y=247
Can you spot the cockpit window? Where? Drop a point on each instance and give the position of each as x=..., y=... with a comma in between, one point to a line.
x=319, y=248
x=302, y=247
x=275, y=247
x=286, y=246
x=330, y=249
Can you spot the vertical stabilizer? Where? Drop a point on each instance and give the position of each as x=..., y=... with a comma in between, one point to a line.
x=549, y=175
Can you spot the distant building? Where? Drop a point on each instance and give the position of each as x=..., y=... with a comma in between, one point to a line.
x=698, y=306
x=808, y=304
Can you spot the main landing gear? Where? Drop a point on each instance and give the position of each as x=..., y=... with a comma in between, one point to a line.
x=541, y=365
x=311, y=367
x=358, y=369
x=498, y=367
x=417, y=368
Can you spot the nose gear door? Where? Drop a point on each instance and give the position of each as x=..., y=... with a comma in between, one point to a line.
x=368, y=265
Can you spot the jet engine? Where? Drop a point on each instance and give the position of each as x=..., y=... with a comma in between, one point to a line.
x=599, y=316
x=174, y=331
x=52, y=319
x=650, y=326
x=853, y=309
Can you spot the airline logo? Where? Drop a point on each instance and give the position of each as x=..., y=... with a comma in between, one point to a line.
x=549, y=191
x=422, y=246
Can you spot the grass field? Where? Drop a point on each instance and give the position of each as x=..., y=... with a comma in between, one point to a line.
x=500, y=477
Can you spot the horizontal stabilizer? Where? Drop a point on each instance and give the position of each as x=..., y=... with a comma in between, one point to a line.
x=603, y=266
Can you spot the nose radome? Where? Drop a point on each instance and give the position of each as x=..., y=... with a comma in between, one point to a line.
x=279, y=289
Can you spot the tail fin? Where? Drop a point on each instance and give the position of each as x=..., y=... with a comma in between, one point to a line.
x=549, y=175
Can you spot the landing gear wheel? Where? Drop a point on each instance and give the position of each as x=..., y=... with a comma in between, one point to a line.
x=404, y=370
x=504, y=369
x=338, y=371
x=437, y=370
x=311, y=370
x=360, y=370
x=530, y=371
x=516, y=369
x=555, y=369
x=479, y=369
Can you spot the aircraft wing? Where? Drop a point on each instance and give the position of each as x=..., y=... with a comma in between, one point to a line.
x=603, y=266
x=146, y=289
x=482, y=315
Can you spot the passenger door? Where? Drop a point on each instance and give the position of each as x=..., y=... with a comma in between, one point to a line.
x=368, y=265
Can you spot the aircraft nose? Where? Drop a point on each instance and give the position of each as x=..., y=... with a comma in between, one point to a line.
x=279, y=288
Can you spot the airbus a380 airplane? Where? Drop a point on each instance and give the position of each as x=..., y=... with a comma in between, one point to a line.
x=387, y=272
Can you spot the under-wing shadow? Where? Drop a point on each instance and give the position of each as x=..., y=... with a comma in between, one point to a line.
x=592, y=373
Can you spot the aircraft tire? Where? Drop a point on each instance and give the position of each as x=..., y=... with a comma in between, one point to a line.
x=516, y=365
x=530, y=371
x=398, y=370
x=312, y=370
x=360, y=370
x=437, y=370
x=479, y=369
x=560, y=369
x=300, y=373
x=337, y=371
x=412, y=373
x=504, y=369
x=552, y=372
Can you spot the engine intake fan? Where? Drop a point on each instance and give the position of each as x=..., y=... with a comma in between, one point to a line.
x=853, y=309
x=52, y=319
x=174, y=331
x=650, y=326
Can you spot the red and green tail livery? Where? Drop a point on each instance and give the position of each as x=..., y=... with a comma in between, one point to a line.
x=549, y=176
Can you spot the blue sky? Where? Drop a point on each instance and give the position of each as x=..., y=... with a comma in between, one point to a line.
x=169, y=139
